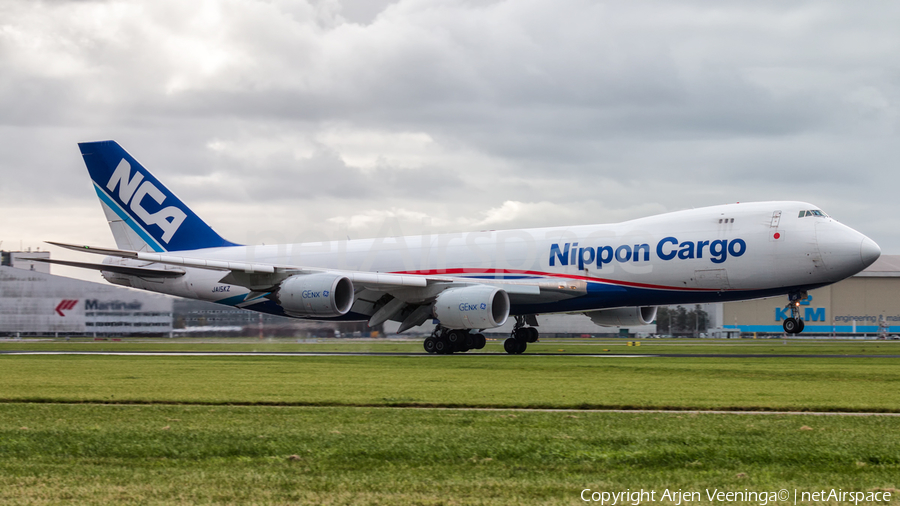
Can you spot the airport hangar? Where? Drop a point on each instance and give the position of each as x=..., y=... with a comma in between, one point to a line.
x=861, y=306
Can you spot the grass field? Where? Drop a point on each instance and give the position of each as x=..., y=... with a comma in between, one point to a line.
x=101, y=454
x=523, y=381
x=320, y=429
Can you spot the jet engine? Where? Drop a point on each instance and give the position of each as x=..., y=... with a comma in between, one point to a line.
x=623, y=316
x=472, y=307
x=325, y=294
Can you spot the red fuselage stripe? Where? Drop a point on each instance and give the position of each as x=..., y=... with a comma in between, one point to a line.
x=438, y=272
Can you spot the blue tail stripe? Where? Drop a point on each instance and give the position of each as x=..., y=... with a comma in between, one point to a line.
x=232, y=301
x=127, y=219
x=153, y=210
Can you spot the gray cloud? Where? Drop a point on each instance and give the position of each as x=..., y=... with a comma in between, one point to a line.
x=464, y=112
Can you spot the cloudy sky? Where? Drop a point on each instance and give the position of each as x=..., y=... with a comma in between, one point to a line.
x=301, y=120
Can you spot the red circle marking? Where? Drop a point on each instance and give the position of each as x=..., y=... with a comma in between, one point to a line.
x=777, y=235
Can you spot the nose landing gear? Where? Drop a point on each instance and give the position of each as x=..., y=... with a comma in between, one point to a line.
x=794, y=325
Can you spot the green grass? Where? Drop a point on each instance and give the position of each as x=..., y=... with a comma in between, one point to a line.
x=320, y=429
x=105, y=454
x=841, y=384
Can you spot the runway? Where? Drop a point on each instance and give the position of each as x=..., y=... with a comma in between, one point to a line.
x=301, y=354
x=653, y=411
x=673, y=411
x=423, y=354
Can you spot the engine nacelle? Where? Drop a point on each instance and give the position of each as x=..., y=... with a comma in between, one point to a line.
x=623, y=316
x=322, y=294
x=472, y=307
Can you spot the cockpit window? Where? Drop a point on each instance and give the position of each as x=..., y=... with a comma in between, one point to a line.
x=812, y=212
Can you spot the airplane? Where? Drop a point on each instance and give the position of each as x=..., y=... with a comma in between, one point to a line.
x=616, y=274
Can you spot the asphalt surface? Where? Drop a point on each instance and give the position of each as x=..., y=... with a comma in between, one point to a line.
x=423, y=354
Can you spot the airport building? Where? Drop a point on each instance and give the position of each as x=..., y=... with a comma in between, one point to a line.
x=35, y=302
x=862, y=306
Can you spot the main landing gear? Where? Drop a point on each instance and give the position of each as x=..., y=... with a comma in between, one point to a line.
x=794, y=325
x=520, y=337
x=444, y=341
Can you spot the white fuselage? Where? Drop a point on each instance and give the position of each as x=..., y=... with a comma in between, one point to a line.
x=719, y=253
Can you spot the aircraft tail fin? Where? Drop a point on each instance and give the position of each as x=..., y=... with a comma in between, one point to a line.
x=143, y=214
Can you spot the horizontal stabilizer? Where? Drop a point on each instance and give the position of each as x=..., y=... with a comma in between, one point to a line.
x=171, y=259
x=96, y=250
x=118, y=269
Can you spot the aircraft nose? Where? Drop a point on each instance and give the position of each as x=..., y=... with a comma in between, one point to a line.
x=868, y=252
x=844, y=251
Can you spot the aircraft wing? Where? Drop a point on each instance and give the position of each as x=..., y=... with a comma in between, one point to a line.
x=255, y=276
x=263, y=276
x=381, y=296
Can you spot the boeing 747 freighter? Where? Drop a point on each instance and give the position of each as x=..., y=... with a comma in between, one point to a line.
x=617, y=274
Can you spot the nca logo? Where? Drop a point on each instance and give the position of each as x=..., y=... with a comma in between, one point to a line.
x=132, y=191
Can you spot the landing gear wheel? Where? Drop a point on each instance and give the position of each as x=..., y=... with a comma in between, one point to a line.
x=480, y=341
x=791, y=325
x=456, y=338
x=471, y=341
x=441, y=347
x=522, y=335
x=429, y=344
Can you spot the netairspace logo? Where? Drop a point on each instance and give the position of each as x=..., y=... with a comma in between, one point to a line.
x=763, y=498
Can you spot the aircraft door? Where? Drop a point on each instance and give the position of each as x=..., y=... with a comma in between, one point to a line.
x=776, y=219
x=711, y=278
